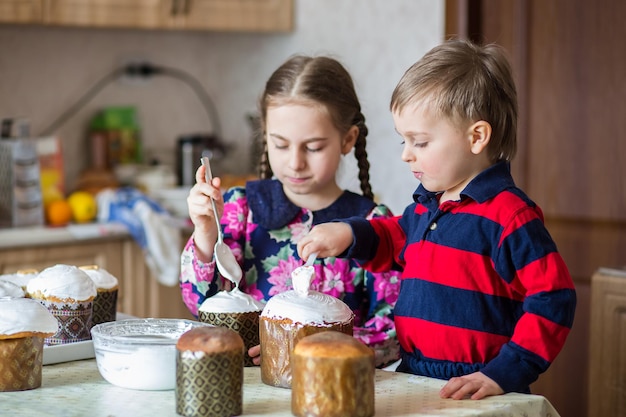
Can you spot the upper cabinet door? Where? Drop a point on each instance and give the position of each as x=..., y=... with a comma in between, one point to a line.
x=21, y=11
x=238, y=15
x=143, y=14
x=217, y=15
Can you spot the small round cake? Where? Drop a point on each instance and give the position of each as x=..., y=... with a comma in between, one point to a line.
x=10, y=290
x=237, y=311
x=67, y=292
x=107, y=287
x=292, y=315
x=209, y=372
x=24, y=323
x=333, y=376
x=21, y=277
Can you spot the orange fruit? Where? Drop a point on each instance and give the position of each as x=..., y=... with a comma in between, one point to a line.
x=58, y=213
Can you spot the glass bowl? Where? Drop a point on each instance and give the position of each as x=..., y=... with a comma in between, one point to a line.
x=139, y=353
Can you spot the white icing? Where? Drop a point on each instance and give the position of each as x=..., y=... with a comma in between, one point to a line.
x=190, y=354
x=316, y=308
x=301, y=279
x=9, y=289
x=234, y=301
x=102, y=278
x=64, y=282
x=25, y=315
x=19, y=278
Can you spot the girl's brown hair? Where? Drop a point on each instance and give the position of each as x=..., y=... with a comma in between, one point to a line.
x=324, y=81
x=466, y=82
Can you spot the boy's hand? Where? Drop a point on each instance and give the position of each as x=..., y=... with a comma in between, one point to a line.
x=255, y=353
x=476, y=385
x=327, y=239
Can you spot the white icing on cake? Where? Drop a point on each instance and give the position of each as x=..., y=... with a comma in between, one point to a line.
x=316, y=308
x=301, y=279
x=19, y=278
x=25, y=315
x=11, y=290
x=64, y=282
x=234, y=301
x=101, y=277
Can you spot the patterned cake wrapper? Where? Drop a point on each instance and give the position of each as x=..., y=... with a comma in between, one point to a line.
x=246, y=324
x=278, y=338
x=75, y=321
x=104, y=307
x=332, y=387
x=209, y=385
x=20, y=363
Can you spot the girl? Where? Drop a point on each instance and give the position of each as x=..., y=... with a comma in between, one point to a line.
x=311, y=117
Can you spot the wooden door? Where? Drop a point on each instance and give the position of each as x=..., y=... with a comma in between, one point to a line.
x=570, y=68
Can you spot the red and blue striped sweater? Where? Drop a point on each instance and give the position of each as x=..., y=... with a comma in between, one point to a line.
x=483, y=286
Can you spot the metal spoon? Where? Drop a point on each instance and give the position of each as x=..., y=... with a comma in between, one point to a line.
x=224, y=258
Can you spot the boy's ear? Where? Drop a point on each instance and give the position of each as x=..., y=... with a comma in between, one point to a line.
x=349, y=139
x=480, y=135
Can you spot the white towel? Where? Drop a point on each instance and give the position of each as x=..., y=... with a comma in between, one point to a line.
x=152, y=227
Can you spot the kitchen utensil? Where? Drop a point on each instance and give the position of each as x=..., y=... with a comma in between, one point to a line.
x=312, y=257
x=191, y=149
x=227, y=265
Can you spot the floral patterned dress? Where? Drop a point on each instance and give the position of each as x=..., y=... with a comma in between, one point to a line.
x=262, y=227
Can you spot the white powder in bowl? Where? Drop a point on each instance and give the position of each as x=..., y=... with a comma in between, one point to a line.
x=146, y=368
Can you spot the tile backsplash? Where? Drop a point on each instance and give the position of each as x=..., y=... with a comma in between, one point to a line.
x=49, y=68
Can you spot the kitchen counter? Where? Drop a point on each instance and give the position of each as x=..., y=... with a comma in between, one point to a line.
x=111, y=247
x=20, y=237
x=77, y=389
x=41, y=235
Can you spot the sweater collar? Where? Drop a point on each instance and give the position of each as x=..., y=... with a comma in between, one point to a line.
x=272, y=209
x=484, y=186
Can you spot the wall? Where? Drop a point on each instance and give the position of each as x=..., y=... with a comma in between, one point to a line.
x=49, y=69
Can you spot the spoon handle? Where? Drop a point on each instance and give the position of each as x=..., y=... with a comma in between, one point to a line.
x=312, y=257
x=208, y=176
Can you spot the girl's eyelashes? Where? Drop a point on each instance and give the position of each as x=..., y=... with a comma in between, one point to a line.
x=314, y=146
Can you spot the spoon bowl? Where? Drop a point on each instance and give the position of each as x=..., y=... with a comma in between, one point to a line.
x=226, y=262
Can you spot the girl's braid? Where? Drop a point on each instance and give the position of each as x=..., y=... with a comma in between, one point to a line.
x=361, y=156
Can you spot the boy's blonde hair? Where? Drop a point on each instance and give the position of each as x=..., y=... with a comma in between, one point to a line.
x=466, y=83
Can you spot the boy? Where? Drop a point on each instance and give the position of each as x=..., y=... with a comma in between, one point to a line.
x=486, y=300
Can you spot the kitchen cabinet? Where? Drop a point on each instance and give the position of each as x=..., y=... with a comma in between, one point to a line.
x=607, y=364
x=142, y=14
x=139, y=292
x=21, y=11
x=218, y=15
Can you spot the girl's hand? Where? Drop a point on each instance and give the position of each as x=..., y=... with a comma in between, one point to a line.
x=255, y=353
x=327, y=239
x=476, y=385
x=201, y=213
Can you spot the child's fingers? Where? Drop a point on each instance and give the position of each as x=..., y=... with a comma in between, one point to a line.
x=200, y=174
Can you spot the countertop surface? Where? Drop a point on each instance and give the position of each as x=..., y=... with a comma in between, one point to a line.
x=77, y=389
x=20, y=237
x=42, y=235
